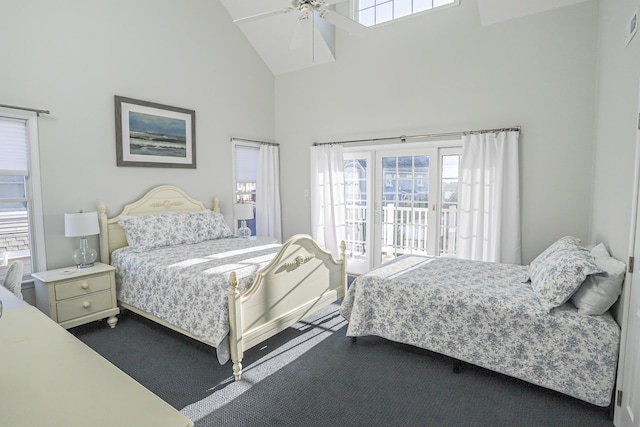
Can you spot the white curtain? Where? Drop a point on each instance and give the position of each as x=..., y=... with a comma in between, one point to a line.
x=328, y=212
x=268, y=222
x=489, y=221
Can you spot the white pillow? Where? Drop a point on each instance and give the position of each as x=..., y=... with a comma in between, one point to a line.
x=598, y=293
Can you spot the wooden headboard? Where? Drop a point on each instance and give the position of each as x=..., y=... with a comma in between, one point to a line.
x=162, y=199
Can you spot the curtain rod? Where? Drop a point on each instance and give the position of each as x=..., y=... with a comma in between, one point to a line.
x=35, y=110
x=403, y=138
x=233, y=138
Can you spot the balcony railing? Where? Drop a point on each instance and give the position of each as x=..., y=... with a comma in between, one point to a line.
x=404, y=231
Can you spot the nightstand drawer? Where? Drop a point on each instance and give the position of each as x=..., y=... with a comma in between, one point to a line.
x=81, y=286
x=83, y=306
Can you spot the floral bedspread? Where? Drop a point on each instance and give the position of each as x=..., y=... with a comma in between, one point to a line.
x=187, y=285
x=487, y=315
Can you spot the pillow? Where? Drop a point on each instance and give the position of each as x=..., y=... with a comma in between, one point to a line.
x=598, y=293
x=208, y=225
x=556, y=275
x=156, y=231
x=562, y=243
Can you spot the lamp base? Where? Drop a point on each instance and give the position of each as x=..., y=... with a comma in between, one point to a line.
x=85, y=265
x=244, y=231
x=84, y=256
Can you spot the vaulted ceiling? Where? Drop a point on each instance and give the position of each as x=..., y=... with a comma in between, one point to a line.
x=271, y=35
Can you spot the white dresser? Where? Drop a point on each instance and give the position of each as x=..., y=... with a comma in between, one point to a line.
x=50, y=378
x=74, y=296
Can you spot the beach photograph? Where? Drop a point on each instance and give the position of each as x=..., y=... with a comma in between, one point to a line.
x=151, y=135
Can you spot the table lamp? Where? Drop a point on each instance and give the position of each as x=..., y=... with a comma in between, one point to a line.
x=243, y=212
x=82, y=224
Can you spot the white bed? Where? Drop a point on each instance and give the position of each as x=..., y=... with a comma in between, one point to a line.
x=490, y=315
x=243, y=292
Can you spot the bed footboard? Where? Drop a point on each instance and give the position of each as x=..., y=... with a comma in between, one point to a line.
x=301, y=279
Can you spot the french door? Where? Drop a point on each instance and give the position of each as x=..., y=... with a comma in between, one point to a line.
x=400, y=201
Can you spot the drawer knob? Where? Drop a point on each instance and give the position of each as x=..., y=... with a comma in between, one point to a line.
x=86, y=304
x=85, y=285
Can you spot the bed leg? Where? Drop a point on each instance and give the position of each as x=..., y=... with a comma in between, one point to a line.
x=354, y=339
x=611, y=409
x=237, y=370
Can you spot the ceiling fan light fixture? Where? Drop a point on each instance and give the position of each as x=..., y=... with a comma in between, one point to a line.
x=304, y=25
x=305, y=12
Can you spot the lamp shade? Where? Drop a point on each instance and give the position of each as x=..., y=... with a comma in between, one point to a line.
x=243, y=211
x=81, y=224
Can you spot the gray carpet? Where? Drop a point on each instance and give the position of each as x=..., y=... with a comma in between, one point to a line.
x=313, y=375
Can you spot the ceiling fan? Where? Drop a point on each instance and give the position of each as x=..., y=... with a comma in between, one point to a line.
x=306, y=10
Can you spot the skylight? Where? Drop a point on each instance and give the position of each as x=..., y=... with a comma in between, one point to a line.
x=373, y=12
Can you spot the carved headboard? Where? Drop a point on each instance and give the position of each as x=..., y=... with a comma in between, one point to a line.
x=162, y=199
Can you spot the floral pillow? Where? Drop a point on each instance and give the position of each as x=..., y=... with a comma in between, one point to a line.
x=565, y=242
x=156, y=231
x=557, y=274
x=170, y=229
x=208, y=225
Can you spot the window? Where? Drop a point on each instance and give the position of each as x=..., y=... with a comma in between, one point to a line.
x=246, y=170
x=449, y=203
x=373, y=12
x=21, y=224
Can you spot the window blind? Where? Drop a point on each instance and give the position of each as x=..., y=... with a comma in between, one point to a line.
x=246, y=163
x=14, y=147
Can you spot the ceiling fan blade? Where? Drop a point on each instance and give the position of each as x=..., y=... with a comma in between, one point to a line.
x=303, y=27
x=324, y=3
x=262, y=15
x=342, y=22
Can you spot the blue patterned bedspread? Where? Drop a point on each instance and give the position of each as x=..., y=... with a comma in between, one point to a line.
x=487, y=315
x=187, y=285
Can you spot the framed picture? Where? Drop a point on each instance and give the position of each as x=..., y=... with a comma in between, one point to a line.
x=154, y=135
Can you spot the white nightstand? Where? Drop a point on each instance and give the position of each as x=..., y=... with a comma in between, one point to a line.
x=74, y=296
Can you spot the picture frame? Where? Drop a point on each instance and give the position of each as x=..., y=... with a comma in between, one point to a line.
x=149, y=134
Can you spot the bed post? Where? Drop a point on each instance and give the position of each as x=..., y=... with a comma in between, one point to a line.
x=104, y=235
x=235, y=326
x=216, y=205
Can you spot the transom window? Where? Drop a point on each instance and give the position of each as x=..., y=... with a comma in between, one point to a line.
x=372, y=12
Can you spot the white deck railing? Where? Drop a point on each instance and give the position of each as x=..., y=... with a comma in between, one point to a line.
x=404, y=230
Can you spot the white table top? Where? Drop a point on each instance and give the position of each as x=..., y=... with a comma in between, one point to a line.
x=9, y=300
x=50, y=378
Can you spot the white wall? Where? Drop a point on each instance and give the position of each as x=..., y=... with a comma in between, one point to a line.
x=617, y=119
x=437, y=72
x=445, y=72
x=72, y=57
